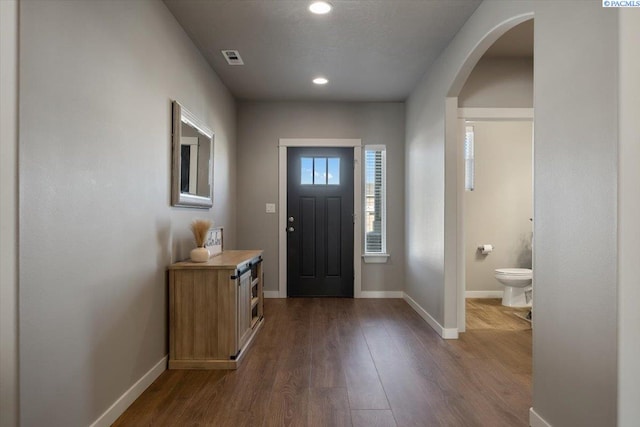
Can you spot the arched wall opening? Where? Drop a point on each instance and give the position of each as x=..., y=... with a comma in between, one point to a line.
x=454, y=284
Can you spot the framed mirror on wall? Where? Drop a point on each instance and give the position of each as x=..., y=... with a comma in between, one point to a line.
x=192, y=160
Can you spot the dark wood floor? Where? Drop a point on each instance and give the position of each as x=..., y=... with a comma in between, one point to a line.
x=348, y=362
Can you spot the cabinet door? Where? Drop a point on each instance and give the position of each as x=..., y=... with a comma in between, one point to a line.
x=244, y=308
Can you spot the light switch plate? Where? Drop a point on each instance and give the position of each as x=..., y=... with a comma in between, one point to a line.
x=271, y=208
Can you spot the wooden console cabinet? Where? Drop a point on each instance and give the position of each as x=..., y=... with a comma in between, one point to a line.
x=215, y=310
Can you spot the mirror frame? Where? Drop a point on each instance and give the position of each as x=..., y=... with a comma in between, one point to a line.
x=180, y=115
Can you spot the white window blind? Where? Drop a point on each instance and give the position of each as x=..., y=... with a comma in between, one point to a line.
x=375, y=199
x=469, y=159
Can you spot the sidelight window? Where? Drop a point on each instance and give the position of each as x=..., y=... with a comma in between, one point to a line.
x=375, y=221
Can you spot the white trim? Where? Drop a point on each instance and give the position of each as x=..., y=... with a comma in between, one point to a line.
x=446, y=333
x=357, y=219
x=381, y=294
x=501, y=114
x=375, y=147
x=375, y=258
x=483, y=294
x=319, y=142
x=119, y=406
x=461, y=273
x=271, y=294
x=451, y=154
x=536, y=420
x=282, y=220
x=282, y=204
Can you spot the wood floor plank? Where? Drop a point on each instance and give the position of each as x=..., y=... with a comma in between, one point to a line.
x=489, y=313
x=288, y=407
x=363, y=383
x=329, y=407
x=326, y=363
x=373, y=418
x=409, y=395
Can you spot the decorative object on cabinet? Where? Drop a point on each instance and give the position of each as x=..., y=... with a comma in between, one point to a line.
x=200, y=229
x=215, y=310
x=214, y=242
x=192, y=160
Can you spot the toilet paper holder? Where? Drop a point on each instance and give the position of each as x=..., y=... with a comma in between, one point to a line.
x=486, y=249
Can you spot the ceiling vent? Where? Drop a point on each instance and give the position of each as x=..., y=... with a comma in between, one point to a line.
x=232, y=57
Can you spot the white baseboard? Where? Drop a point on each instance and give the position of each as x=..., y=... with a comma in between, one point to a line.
x=483, y=294
x=536, y=420
x=363, y=294
x=446, y=333
x=119, y=406
x=381, y=294
x=271, y=294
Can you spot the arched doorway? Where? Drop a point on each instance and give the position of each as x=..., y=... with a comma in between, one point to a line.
x=454, y=237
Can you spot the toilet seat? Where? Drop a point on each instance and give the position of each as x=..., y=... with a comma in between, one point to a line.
x=514, y=271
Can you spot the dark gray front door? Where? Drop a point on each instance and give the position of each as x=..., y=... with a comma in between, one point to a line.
x=320, y=221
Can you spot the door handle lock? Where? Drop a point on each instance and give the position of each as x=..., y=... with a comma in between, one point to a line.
x=290, y=229
x=291, y=219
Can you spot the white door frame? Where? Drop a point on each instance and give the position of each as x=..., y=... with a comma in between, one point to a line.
x=282, y=202
x=477, y=114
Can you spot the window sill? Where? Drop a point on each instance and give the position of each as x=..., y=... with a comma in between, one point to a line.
x=375, y=258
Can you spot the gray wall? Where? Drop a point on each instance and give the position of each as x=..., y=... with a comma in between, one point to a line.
x=575, y=346
x=499, y=83
x=628, y=224
x=497, y=211
x=96, y=228
x=575, y=181
x=8, y=213
x=262, y=124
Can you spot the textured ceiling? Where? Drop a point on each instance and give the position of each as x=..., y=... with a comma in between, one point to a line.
x=370, y=50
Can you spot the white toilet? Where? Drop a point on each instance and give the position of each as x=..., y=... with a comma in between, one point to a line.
x=517, y=283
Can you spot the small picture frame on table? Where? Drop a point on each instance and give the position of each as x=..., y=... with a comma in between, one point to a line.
x=214, y=242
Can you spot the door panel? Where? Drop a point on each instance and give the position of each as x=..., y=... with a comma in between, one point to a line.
x=333, y=227
x=307, y=220
x=320, y=221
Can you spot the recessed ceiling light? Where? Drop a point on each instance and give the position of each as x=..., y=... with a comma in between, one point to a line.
x=320, y=81
x=320, y=7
